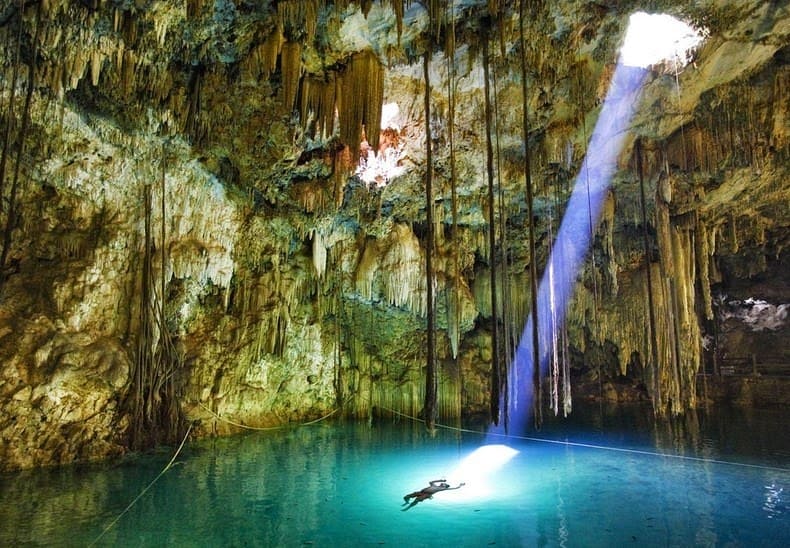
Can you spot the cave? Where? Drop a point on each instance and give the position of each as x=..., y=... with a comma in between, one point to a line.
x=282, y=272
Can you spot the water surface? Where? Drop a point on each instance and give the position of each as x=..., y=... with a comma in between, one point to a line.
x=603, y=478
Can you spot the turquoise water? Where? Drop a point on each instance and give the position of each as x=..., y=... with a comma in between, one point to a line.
x=342, y=485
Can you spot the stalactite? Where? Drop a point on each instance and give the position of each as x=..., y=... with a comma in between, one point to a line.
x=669, y=374
x=391, y=270
x=703, y=255
x=318, y=103
x=12, y=213
x=95, y=67
x=359, y=100
x=496, y=373
x=268, y=53
x=297, y=17
x=336, y=313
x=678, y=263
x=291, y=63
x=341, y=160
x=607, y=224
x=78, y=63
x=653, y=342
x=127, y=72
x=533, y=268
x=431, y=378
x=398, y=8
x=193, y=120
x=319, y=254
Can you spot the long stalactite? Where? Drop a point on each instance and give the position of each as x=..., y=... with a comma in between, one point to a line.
x=653, y=338
x=496, y=367
x=431, y=378
x=10, y=116
x=533, y=267
x=11, y=212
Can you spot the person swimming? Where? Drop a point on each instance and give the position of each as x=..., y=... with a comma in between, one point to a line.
x=428, y=492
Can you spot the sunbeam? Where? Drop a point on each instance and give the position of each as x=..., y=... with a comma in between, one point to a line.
x=642, y=47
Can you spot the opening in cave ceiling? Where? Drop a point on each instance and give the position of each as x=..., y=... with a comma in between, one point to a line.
x=377, y=167
x=655, y=38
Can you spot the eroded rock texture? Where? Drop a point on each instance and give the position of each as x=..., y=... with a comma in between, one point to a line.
x=185, y=236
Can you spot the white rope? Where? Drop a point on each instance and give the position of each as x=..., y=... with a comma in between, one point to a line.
x=172, y=460
x=144, y=491
x=602, y=447
x=267, y=428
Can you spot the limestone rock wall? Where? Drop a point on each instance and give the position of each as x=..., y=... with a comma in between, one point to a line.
x=289, y=287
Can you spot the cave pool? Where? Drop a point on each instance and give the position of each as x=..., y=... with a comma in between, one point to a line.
x=608, y=478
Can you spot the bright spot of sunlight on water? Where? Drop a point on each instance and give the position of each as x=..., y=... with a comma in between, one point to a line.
x=343, y=485
x=478, y=472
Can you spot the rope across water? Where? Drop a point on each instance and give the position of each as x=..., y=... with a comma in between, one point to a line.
x=181, y=446
x=600, y=447
x=446, y=427
x=266, y=428
x=144, y=491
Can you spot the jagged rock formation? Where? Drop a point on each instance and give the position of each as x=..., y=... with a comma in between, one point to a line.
x=186, y=238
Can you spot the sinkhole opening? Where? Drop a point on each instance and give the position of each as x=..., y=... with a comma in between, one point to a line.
x=377, y=167
x=658, y=38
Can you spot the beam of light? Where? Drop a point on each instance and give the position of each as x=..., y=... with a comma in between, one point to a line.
x=583, y=210
x=479, y=472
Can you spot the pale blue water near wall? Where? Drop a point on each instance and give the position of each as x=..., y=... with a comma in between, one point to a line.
x=334, y=485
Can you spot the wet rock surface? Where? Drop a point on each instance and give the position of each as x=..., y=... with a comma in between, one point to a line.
x=282, y=287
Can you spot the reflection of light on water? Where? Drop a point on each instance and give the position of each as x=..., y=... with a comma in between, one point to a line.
x=773, y=500
x=478, y=471
x=562, y=532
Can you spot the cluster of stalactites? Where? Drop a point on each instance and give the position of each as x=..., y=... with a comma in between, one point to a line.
x=295, y=24
x=361, y=96
x=354, y=93
x=369, y=385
